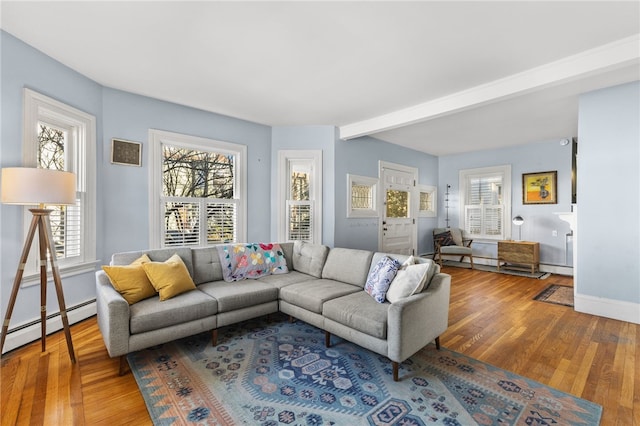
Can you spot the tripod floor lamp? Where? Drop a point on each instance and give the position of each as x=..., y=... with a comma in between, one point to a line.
x=32, y=186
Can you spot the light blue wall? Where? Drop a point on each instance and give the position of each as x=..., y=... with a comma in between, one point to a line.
x=307, y=138
x=361, y=156
x=608, y=193
x=23, y=66
x=540, y=220
x=607, y=186
x=124, y=189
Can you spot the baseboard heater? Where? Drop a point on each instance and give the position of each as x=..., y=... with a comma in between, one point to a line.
x=26, y=333
x=50, y=317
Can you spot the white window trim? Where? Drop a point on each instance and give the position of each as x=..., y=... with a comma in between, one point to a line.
x=38, y=107
x=433, y=196
x=156, y=138
x=365, y=181
x=505, y=171
x=315, y=157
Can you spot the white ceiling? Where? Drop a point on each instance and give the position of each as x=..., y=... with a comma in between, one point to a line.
x=439, y=77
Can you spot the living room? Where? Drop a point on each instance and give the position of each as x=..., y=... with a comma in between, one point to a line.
x=606, y=277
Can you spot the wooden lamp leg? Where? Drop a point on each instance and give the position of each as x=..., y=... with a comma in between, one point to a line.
x=16, y=282
x=58, y=284
x=43, y=282
x=40, y=221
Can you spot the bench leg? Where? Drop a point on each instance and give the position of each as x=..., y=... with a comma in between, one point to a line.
x=214, y=337
x=124, y=365
x=395, y=370
x=327, y=339
x=438, y=343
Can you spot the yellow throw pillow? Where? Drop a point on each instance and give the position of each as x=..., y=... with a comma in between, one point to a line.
x=131, y=281
x=169, y=278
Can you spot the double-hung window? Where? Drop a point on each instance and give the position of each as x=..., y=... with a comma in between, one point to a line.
x=198, y=195
x=300, y=195
x=485, y=201
x=60, y=137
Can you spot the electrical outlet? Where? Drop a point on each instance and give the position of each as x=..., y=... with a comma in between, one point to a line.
x=554, y=233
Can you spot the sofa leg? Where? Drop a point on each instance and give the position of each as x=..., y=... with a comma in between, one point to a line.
x=327, y=339
x=291, y=319
x=438, y=343
x=124, y=365
x=214, y=337
x=395, y=370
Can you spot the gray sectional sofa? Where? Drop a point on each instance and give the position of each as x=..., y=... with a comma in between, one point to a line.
x=324, y=287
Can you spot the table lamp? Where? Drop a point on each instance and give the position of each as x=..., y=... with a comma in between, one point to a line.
x=28, y=186
x=518, y=221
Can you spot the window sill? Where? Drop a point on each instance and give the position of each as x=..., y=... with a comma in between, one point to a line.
x=65, y=272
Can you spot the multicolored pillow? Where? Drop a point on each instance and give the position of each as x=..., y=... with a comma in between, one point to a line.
x=380, y=278
x=241, y=261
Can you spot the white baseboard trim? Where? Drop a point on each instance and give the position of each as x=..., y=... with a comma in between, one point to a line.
x=553, y=269
x=557, y=269
x=31, y=333
x=608, y=308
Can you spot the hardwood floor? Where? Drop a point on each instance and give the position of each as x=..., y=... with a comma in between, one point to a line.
x=493, y=318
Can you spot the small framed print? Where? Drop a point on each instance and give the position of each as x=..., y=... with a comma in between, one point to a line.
x=540, y=188
x=125, y=152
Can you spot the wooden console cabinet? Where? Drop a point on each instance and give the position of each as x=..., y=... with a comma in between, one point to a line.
x=523, y=255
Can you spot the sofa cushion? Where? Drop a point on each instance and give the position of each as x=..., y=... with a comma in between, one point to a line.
x=410, y=279
x=348, y=265
x=206, y=265
x=379, y=255
x=240, y=294
x=131, y=281
x=170, y=277
x=156, y=255
x=282, y=280
x=309, y=258
x=287, y=248
x=379, y=278
x=151, y=314
x=359, y=312
x=311, y=295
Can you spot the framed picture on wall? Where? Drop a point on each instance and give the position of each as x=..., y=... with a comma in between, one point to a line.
x=125, y=152
x=540, y=188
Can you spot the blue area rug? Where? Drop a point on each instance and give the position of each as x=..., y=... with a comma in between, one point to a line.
x=278, y=373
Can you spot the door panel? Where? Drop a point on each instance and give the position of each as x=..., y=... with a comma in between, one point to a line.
x=398, y=223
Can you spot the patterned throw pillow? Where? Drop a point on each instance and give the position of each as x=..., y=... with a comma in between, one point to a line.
x=380, y=278
x=444, y=238
x=255, y=260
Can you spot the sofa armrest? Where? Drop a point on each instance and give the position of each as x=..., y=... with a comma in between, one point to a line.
x=416, y=321
x=113, y=316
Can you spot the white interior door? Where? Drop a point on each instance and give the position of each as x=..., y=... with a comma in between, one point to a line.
x=398, y=228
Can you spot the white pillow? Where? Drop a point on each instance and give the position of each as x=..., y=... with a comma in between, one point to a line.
x=409, y=280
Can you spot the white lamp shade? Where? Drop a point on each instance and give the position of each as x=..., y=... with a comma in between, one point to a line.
x=32, y=186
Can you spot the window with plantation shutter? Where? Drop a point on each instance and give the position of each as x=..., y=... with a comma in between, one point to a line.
x=299, y=195
x=60, y=137
x=485, y=199
x=300, y=220
x=199, y=186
